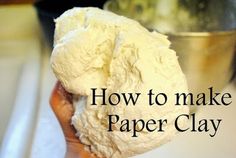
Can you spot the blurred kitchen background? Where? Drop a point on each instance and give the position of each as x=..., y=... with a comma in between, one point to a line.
x=203, y=33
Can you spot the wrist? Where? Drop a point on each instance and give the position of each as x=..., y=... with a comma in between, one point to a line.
x=73, y=150
x=77, y=150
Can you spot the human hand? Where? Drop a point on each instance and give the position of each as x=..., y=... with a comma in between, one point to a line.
x=61, y=103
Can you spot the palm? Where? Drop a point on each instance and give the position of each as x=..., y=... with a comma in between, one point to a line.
x=61, y=103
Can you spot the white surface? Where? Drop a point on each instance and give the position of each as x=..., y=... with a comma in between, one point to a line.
x=17, y=138
x=20, y=50
x=48, y=139
x=10, y=67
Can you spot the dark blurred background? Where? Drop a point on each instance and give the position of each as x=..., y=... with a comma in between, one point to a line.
x=51, y=9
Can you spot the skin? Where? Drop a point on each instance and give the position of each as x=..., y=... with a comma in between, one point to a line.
x=61, y=103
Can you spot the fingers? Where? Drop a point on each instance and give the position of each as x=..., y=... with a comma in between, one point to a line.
x=61, y=103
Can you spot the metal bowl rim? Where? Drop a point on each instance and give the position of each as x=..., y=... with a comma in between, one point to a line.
x=202, y=34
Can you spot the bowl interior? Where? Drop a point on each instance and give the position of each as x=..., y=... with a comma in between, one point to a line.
x=168, y=16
